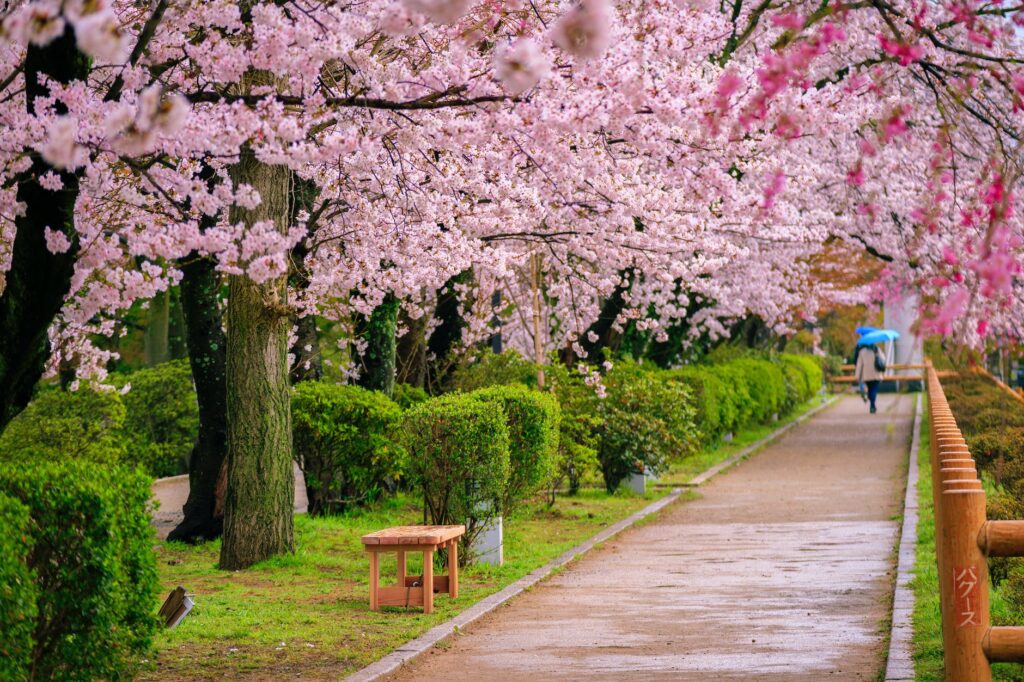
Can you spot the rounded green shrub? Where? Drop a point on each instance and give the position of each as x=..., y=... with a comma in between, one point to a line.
x=162, y=418
x=578, y=429
x=342, y=438
x=67, y=425
x=458, y=450
x=406, y=395
x=766, y=385
x=533, y=421
x=18, y=591
x=494, y=369
x=737, y=407
x=646, y=421
x=707, y=390
x=92, y=560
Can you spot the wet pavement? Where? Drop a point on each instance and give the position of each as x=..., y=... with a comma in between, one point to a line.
x=782, y=570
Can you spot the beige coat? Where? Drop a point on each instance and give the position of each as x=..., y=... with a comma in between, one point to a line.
x=865, y=370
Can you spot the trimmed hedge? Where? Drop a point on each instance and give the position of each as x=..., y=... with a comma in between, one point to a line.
x=459, y=457
x=67, y=425
x=533, y=420
x=342, y=440
x=93, y=564
x=18, y=591
x=162, y=418
x=712, y=408
x=766, y=384
x=405, y=396
x=646, y=421
x=494, y=369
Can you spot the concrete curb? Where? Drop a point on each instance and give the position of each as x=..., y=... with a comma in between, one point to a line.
x=899, y=665
x=746, y=452
x=413, y=648
x=427, y=640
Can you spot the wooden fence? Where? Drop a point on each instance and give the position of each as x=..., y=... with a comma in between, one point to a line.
x=964, y=539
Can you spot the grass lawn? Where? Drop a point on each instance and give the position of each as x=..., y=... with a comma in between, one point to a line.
x=927, y=615
x=682, y=472
x=307, y=614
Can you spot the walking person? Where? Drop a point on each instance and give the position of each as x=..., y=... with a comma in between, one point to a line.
x=869, y=370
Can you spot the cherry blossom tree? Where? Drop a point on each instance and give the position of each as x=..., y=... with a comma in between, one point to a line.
x=598, y=164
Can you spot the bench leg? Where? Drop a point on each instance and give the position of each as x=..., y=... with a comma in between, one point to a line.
x=401, y=568
x=374, y=579
x=428, y=581
x=453, y=569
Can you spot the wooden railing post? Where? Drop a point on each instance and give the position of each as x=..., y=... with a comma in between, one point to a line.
x=965, y=617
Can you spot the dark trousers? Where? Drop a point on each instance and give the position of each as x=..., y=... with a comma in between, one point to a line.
x=872, y=391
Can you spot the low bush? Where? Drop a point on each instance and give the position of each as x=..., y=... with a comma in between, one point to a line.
x=737, y=407
x=708, y=398
x=91, y=557
x=991, y=449
x=459, y=458
x=342, y=440
x=803, y=376
x=406, y=395
x=162, y=418
x=766, y=384
x=578, y=429
x=533, y=419
x=18, y=592
x=646, y=421
x=493, y=369
x=67, y=425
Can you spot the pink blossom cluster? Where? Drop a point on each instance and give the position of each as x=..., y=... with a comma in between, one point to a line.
x=702, y=154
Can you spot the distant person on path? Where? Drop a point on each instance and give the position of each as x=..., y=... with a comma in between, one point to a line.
x=869, y=370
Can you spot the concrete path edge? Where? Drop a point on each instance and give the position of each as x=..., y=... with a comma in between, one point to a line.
x=899, y=665
x=414, y=647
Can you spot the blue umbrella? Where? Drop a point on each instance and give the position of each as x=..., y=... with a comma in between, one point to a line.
x=864, y=330
x=878, y=336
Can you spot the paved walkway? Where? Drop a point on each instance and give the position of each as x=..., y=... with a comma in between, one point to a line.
x=781, y=571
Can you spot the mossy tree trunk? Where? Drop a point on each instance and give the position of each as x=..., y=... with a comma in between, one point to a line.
x=207, y=354
x=411, y=351
x=157, y=339
x=308, y=363
x=258, y=521
x=379, y=356
x=38, y=281
x=176, y=340
x=448, y=332
x=603, y=328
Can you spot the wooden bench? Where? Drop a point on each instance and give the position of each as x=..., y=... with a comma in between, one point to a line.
x=408, y=590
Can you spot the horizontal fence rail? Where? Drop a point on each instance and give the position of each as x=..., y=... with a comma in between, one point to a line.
x=964, y=539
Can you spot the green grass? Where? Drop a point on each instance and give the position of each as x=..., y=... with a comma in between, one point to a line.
x=927, y=643
x=683, y=472
x=307, y=614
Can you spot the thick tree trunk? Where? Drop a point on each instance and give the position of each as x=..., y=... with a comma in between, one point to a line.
x=258, y=520
x=207, y=353
x=38, y=281
x=603, y=326
x=411, y=354
x=157, y=338
x=379, y=357
x=308, y=364
x=447, y=334
x=177, y=344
